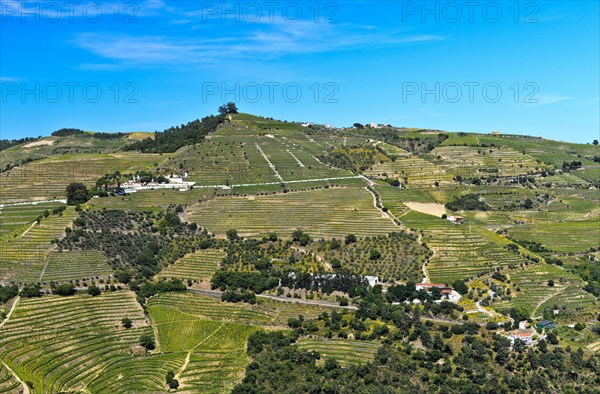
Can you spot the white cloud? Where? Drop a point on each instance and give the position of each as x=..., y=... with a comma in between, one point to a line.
x=546, y=99
x=257, y=42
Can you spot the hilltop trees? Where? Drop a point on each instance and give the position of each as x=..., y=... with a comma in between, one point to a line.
x=175, y=137
x=67, y=132
x=229, y=108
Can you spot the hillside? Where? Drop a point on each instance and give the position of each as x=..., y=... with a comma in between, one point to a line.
x=213, y=237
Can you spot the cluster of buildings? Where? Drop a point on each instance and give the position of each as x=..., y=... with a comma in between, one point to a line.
x=448, y=293
x=526, y=331
x=456, y=219
x=174, y=182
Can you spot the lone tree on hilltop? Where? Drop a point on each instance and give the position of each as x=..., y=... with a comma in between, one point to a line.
x=229, y=108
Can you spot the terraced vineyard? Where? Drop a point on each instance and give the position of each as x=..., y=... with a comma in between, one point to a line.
x=474, y=162
x=199, y=266
x=47, y=179
x=392, y=198
x=215, y=349
x=562, y=237
x=65, y=266
x=210, y=308
x=344, y=351
x=283, y=311
x=15, y=219
x=261, y=176
x=322, y=213
x=152, y=199
x=63, y=344
x=266, y=312
x=241, y=153
x=535, y=294
x=409, y=169
x=22, y=259
x=8, y=383
x=214, y=371
x=460, y=250
x=136, y=374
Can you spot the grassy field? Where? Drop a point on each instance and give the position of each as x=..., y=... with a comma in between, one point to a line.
x=198, y=266
x=64, y=343
x=345, y=351
x=321, y=213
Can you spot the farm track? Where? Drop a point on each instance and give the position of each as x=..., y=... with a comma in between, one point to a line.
x=31, y=203
x=8, y=315
x=46, y=259
x=269, y=162
x=23, y=384
x=29, y=228
x=12, y=309
x=377, y=199
x=217, y=294
x=338, y=178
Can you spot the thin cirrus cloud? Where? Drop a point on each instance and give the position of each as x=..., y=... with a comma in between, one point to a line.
x=546, y=99
x=278, y=40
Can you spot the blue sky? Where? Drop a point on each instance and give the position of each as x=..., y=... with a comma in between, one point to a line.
x=517, y=67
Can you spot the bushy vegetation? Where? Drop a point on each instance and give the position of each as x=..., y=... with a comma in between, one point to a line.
x=5, y=144
x=8, y=292
x=455, y=357
x=66, y=132
x=470, y=202
x=138, y=242
x=77, y=193
x=175, y=137
x=481, y=365
x=354, y=158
